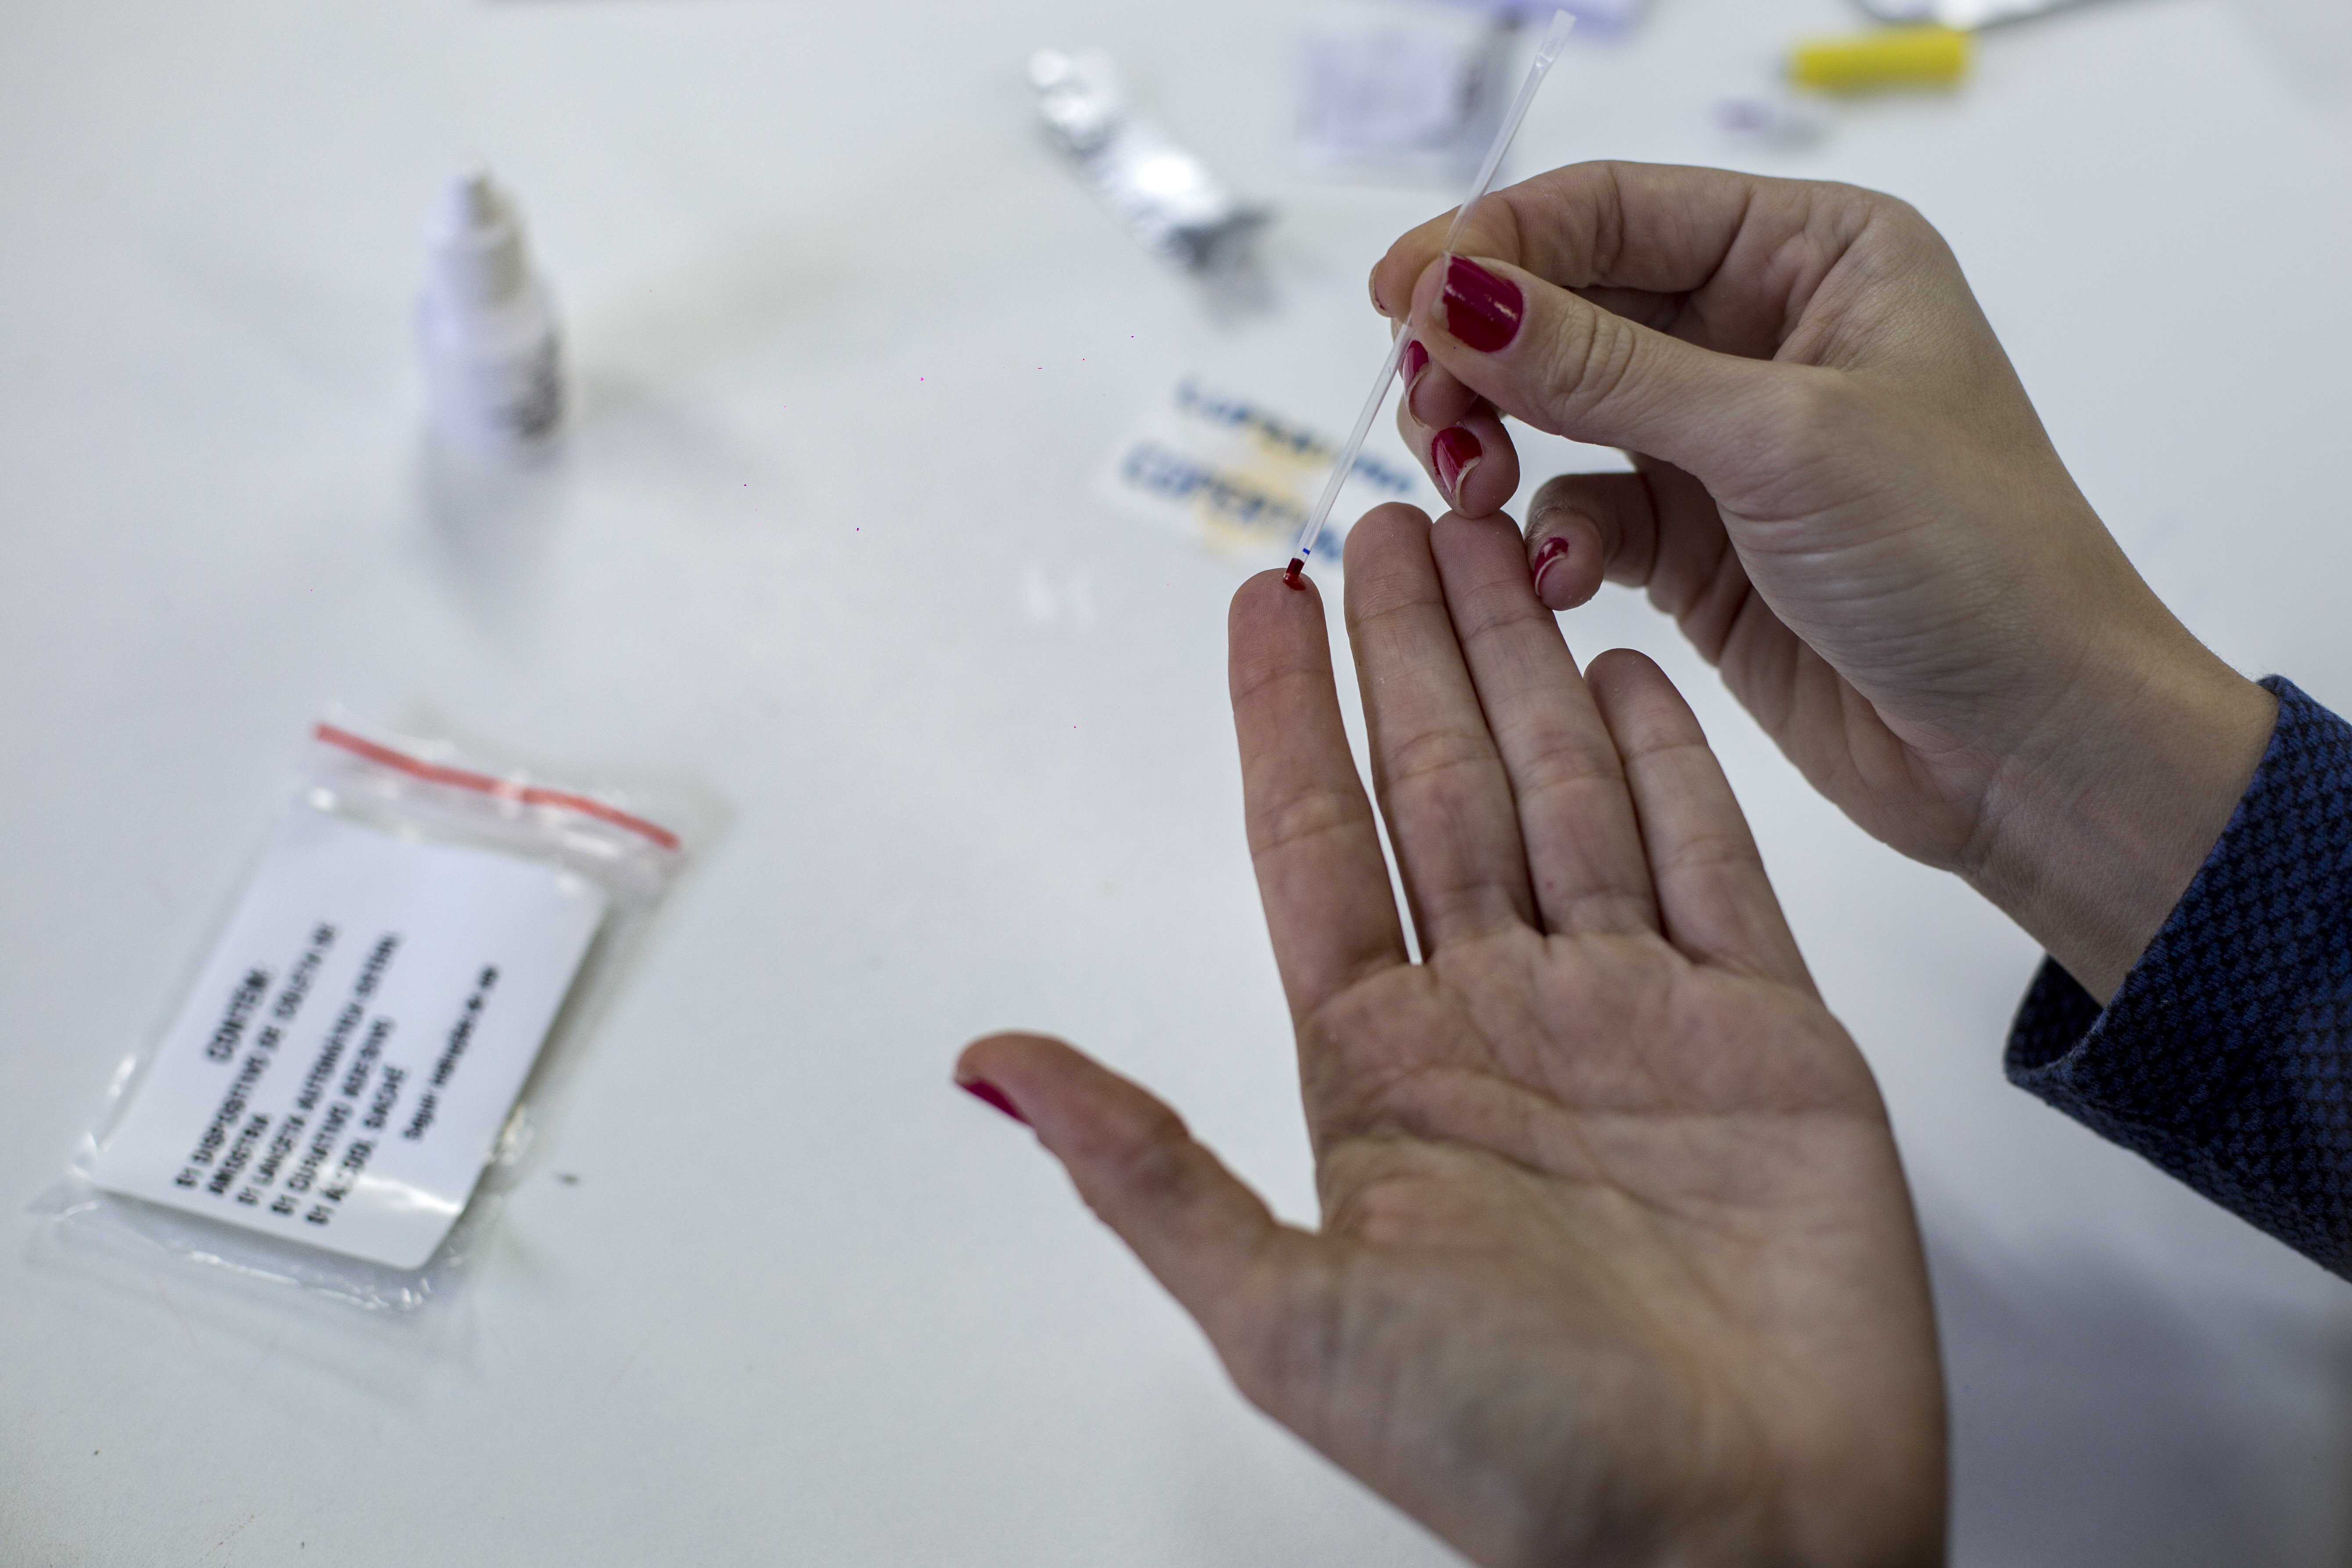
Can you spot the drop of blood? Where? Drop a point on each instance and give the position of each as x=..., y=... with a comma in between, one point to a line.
x=1291, y=577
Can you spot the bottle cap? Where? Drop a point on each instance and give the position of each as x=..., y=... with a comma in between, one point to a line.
x=479, y=257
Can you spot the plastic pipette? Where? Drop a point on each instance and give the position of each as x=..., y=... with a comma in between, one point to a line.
x=1311, y=530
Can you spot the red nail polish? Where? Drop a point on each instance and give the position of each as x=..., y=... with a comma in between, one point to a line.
x=1453, y=452
x=981, y=1089
x=1481, y=309
x=1416, y=360
x=1548, y=554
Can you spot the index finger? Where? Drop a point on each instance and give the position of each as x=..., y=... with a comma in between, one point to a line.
x=1320, y=873
x=1749, y=251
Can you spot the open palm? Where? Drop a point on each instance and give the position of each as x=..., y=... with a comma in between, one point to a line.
x=1616, y=1263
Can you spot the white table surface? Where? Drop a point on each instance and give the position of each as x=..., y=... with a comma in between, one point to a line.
x=824, y=565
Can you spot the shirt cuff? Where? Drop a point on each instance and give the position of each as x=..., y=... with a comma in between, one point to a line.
x=2225, y=1056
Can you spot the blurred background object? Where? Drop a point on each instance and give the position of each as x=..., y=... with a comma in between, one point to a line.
x=1931, y=56
x=1772, y=120
x=486, y=323
x=1603, y=17
x=1962, y=14
x=1165, y=198
x=1405, y=90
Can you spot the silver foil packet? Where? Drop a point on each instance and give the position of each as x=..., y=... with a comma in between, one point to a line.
x=1158, y=189
x=1962, y=14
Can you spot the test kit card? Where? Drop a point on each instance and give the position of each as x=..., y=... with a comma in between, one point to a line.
x=356, y=1039
x=1230, y=473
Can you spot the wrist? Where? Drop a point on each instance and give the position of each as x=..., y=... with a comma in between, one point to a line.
x=2094, y=827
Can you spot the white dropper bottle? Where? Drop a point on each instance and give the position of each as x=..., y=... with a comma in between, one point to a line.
x=493, y=353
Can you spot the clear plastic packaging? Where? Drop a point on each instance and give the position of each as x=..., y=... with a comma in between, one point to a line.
x=419, y=809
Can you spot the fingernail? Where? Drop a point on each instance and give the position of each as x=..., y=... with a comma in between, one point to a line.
x=1548, y=554
x=1455, y=451
x=1416, y=360
x=981, y=1089
x=1481, y=309
x=1372, y=287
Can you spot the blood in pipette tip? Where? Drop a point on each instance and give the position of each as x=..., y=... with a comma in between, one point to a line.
x=1291, y=578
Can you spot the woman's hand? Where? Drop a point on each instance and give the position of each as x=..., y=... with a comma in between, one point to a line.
x=1845, y=497
x=1616, y=1263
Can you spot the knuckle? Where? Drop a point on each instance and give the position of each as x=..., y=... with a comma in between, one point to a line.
x=1144, y=1156
x=1489, y=616
x=1609, y=225
x=1904, y=224
x=1428, y=757
x=1886, y=239
x=1303, y=818
x=1255, y=671
x=1560, y=762
x=1590, y=360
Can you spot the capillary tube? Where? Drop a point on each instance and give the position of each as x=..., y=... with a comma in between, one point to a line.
x=1548, y=51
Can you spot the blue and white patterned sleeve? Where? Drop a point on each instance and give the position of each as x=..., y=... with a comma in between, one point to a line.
x=2226, y=1056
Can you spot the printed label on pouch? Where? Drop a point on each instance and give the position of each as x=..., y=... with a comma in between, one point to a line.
x=1240, y=479
x=356, y=1039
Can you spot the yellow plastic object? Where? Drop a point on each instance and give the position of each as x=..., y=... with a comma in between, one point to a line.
x=1891, y=56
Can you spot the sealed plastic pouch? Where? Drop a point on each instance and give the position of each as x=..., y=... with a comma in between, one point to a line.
x=347, y=1080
